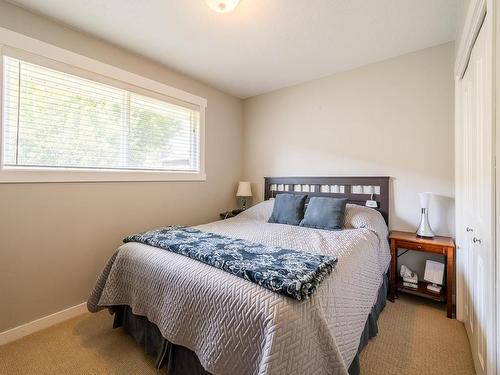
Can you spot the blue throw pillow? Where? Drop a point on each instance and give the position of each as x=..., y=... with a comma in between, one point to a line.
x=324, y=213
x=288, y=209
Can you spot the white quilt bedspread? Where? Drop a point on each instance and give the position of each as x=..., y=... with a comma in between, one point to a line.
x=237, y=327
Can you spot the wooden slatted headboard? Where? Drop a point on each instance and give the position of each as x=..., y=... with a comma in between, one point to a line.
x=353, y=188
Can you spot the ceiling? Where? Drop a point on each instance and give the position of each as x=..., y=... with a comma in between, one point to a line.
x=263, y=45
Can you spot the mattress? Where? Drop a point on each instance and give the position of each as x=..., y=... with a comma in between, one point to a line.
x=237, y=327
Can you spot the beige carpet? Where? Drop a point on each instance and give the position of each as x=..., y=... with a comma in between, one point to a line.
x=415, y=338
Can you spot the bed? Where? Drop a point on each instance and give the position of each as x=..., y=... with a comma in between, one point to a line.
x=197, y=319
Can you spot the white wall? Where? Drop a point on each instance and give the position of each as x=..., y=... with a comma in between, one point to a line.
x=393, y=118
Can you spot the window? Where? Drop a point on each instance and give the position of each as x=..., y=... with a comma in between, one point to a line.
x=56, y=121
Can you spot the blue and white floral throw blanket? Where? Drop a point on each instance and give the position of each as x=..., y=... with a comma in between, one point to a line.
x=295, y=274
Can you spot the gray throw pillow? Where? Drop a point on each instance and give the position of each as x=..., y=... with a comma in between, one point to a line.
x=288, y=209
x=324, y=213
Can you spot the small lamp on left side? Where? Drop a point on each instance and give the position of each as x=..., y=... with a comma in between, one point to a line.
x=244, y=191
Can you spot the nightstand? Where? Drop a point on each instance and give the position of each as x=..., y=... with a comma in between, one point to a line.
x=437, y=245
x=230, y=214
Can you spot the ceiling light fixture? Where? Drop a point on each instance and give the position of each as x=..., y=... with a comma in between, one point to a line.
x=222, y=6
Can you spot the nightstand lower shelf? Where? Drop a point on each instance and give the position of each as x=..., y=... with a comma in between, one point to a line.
x=423, y=291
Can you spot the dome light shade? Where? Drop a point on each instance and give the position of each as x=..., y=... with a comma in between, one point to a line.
x=222, y=6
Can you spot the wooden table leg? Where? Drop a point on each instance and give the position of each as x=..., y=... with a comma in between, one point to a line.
x=393, y=271
x=449, y=282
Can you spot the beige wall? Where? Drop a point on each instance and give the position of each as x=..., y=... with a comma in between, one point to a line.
x=463, y=7
x=55, y=238
x=393, y=118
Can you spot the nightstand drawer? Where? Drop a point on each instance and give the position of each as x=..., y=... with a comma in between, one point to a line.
x=422, y=247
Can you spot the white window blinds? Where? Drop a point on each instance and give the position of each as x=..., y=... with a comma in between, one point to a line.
x=53, y=119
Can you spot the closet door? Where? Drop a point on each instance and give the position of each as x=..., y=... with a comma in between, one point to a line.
x=466, y=202
x=476, y=202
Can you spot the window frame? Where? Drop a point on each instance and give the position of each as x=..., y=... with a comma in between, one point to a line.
x=25, y=48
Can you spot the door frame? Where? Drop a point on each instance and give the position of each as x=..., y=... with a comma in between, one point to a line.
x=481, y=14
x=496, y=135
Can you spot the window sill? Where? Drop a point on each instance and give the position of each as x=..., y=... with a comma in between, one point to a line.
x=16, y=176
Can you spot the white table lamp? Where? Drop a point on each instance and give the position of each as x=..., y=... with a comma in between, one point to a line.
x=424, y=229
x=244, y=191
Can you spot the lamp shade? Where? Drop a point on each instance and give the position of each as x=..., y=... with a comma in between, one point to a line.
x=425, y=199
x=244, y=189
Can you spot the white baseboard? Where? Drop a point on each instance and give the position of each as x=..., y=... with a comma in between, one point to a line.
x=42, y=323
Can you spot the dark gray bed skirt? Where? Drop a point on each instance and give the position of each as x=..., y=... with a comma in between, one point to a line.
x=371, y=326
x=179, y=360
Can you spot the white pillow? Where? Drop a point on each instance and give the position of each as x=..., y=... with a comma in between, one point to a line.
x=261, y=211
x=357, y=216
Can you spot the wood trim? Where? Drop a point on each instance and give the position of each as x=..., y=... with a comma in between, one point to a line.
x=450, y=270
x=441, y=241
x=353, y=198
x=436, y=249
x=473, y=22
x=496, y=112
x=37, y=325
x=393, y=270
